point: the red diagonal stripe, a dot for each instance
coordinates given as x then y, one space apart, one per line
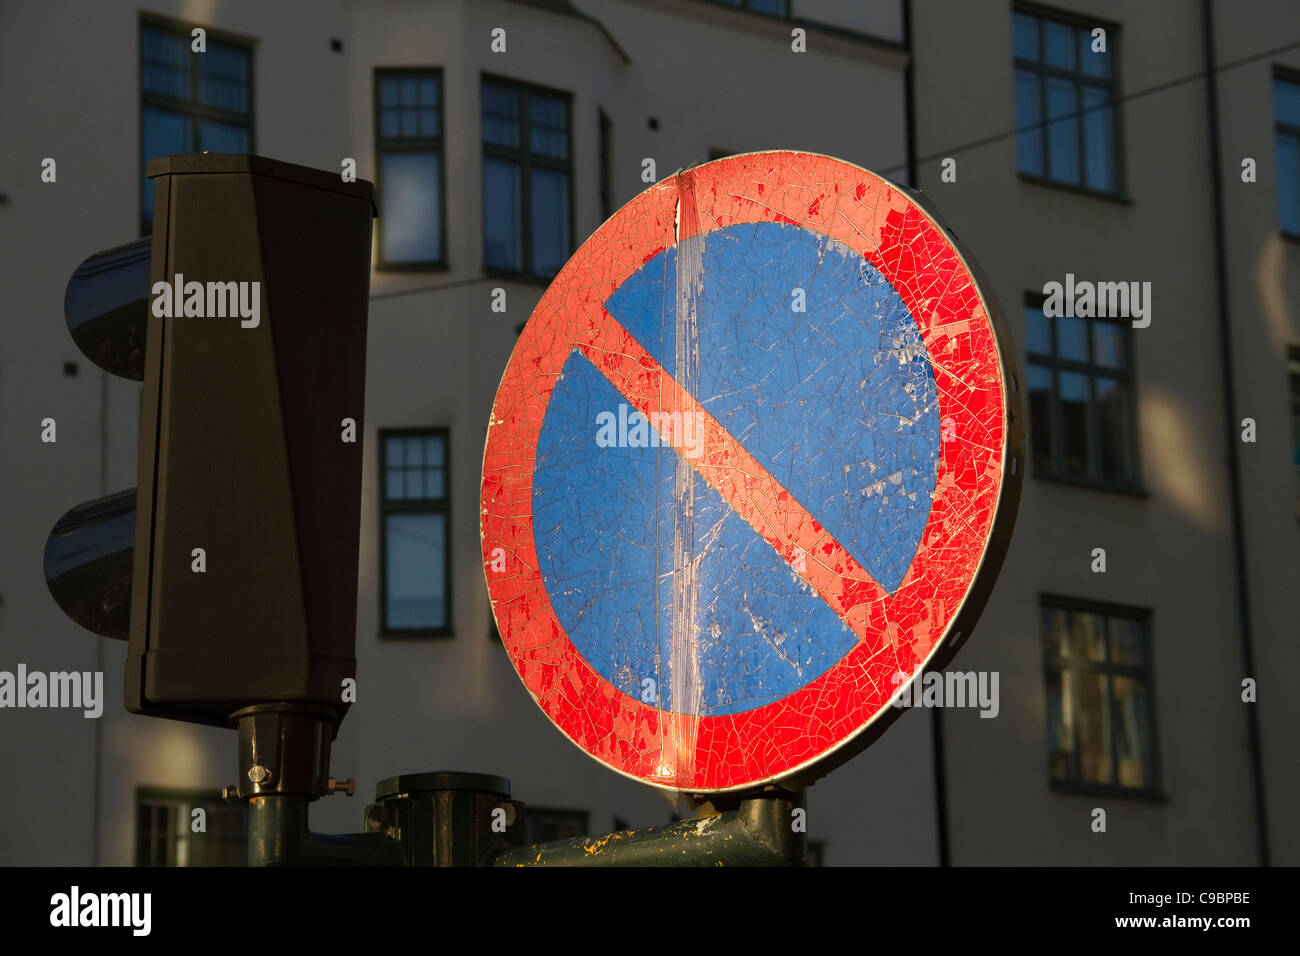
744 484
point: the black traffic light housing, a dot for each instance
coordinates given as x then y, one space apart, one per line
242 447
249 332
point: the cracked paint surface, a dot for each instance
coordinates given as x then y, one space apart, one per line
716 620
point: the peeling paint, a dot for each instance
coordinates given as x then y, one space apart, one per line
707 623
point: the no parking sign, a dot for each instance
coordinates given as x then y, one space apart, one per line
754 458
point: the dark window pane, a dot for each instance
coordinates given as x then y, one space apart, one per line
165 80
394 487
549 142
143 819
1088 432
414 483
501 214
169 69
1131 732
1091 703
550 220
1024 34
775 8
1286 102
1113 425
1060 731
1038 331
500 116
1087 637
1040 416
1058 45
165 829
223 75
411 227
547 110
165 58
416 573
222 137
158 841
1056 633
410 182
499 131
414 453
165 133
1072 337
223 94
1062 131
1098 122
526 190
548 131
163 46
1093 64
1108 346
428 122
1288 182
1029 134
1098 702
393 452
225 61
1075 411
1126 641
499 99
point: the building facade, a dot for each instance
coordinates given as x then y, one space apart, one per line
1092 156
500 134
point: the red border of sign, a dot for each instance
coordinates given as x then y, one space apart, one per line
701 754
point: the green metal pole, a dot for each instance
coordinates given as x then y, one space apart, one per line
278 835
283 766
762 831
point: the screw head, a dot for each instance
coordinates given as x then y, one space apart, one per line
348 786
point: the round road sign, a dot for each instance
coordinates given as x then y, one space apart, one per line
751 468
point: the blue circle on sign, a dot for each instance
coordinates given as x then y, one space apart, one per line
809 358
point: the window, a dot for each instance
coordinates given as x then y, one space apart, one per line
409 165
527 179
415 552
1293 360
1081 421
1067 124
774 8
191 102
1286 114
165 835
541 825
1100 714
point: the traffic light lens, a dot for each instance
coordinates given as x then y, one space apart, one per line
107 308
88 563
